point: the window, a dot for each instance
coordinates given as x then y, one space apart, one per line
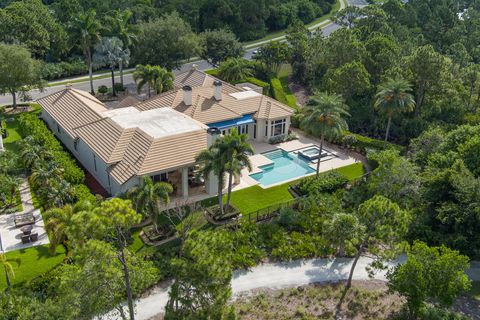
95 162
254 131
75 144
58 128
108 178
266 128
278 127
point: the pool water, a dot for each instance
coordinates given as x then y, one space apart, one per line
285 166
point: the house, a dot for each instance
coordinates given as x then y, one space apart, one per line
159 137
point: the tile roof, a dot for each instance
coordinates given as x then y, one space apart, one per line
149 143
72 108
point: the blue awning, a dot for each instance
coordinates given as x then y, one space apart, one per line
247 119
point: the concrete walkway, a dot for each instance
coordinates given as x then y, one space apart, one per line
10 236
277 276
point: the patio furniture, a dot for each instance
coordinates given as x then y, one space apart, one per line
34 237
24 219
25 239
27 229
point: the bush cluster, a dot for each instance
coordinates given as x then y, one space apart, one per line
282 138
325 183
52 71
30 125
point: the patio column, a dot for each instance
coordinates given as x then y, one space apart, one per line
185 182
269 130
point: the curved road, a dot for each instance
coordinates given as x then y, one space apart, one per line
202 64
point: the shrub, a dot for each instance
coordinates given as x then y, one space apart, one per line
102 89
82 193
363 143
52 71
119 87
296 120
282 138
277 90
30 125
325 183
260 83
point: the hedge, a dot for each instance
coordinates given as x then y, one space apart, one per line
363 143
325 183
64 69
279 94
265 85
30 125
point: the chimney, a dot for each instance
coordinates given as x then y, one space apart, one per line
187 95
217 90
68 86
194 66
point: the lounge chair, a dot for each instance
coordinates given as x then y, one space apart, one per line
25 239
34 237
24 219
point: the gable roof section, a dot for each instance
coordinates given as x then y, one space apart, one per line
106 138
72 108
272 109
148 156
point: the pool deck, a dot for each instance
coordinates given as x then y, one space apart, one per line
337 160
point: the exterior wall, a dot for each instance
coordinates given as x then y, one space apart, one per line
90 160
117 188
62 135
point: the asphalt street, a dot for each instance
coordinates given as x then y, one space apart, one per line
128 79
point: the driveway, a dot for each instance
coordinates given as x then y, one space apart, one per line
276 276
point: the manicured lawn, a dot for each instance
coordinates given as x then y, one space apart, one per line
353 171
11 142
255 198
137 243
475 291
31 263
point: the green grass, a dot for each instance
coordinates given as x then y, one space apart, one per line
54 84
284 75
475 291
31 263
11 142
255 198
137 245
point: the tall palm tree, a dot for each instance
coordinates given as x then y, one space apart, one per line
8 268
110 52
148 197
213 162
235 69
393 97
57 221
87 28
324 115
119 26
236 149
154 77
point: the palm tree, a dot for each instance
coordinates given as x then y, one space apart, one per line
32 153
148 197
110 52
120 27
87 28
236 149
57 221
45 174
393 97
8 268
235 69
155 77
213 162
323 115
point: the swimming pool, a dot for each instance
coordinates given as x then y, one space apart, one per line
286 166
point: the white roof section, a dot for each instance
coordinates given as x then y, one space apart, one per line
157 123
245 94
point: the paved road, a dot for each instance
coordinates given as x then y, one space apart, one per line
202 65
276 276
